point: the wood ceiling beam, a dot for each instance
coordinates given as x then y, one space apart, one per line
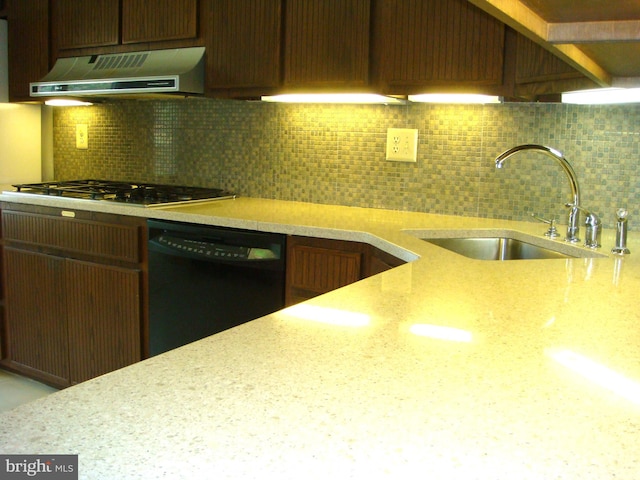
527 22
586 32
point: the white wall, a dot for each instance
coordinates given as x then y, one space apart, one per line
20 143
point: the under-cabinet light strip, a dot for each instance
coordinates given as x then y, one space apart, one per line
454 98
603 96
356 98
373 98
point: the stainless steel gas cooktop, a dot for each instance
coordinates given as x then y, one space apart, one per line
140 194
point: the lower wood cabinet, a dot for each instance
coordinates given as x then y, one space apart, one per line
37 326
74 296
318 265
75 288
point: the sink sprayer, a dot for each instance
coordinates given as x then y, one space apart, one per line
621 233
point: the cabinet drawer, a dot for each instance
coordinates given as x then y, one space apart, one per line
117 242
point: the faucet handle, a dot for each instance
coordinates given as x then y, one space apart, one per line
594 227
591 218
552 232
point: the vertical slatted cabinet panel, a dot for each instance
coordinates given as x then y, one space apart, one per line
535 64
117 242
104 318
158 20
37 323
243 39
537 71
316 266
29 45
327 43
87 292
424 43
78 24
322 270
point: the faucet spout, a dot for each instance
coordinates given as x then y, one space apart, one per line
572 223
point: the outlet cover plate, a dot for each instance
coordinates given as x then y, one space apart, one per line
402 144
82 136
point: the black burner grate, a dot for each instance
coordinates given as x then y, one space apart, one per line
124 192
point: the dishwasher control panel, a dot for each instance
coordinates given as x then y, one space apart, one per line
212 249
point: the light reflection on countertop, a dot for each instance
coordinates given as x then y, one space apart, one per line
445 368
598 373
330 316
441 333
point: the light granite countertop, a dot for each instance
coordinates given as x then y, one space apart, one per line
443 368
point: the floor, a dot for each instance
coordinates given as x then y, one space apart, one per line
16 390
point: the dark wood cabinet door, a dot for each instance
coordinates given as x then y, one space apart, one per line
317 265
537 72
28 23
442 43
75 295
535 64
159 20
103 310
243 41
327 43
76 24
35 315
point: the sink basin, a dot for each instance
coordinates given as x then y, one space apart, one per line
496 248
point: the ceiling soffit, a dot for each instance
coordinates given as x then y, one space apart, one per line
600 38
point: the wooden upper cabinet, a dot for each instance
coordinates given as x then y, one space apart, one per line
243 39
532 73
159 20
100 25
327 43
538 74
436 43
535 64
85 24
28 23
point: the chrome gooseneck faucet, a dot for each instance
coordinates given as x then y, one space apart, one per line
574 208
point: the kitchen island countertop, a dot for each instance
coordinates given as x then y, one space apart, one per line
445 368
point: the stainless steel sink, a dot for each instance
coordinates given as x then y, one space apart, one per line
496 248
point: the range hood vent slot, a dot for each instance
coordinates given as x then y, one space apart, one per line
124 61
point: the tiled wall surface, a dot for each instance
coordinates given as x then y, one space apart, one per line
335 154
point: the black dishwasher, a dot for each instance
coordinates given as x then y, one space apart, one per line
203 280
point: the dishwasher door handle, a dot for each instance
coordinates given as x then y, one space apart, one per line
254 257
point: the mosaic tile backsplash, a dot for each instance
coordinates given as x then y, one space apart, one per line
335 154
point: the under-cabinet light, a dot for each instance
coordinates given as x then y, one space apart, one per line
356 98
453 98
64 102
602 96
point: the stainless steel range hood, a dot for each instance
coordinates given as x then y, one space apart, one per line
178 71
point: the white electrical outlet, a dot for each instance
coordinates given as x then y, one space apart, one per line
402 144
82 136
